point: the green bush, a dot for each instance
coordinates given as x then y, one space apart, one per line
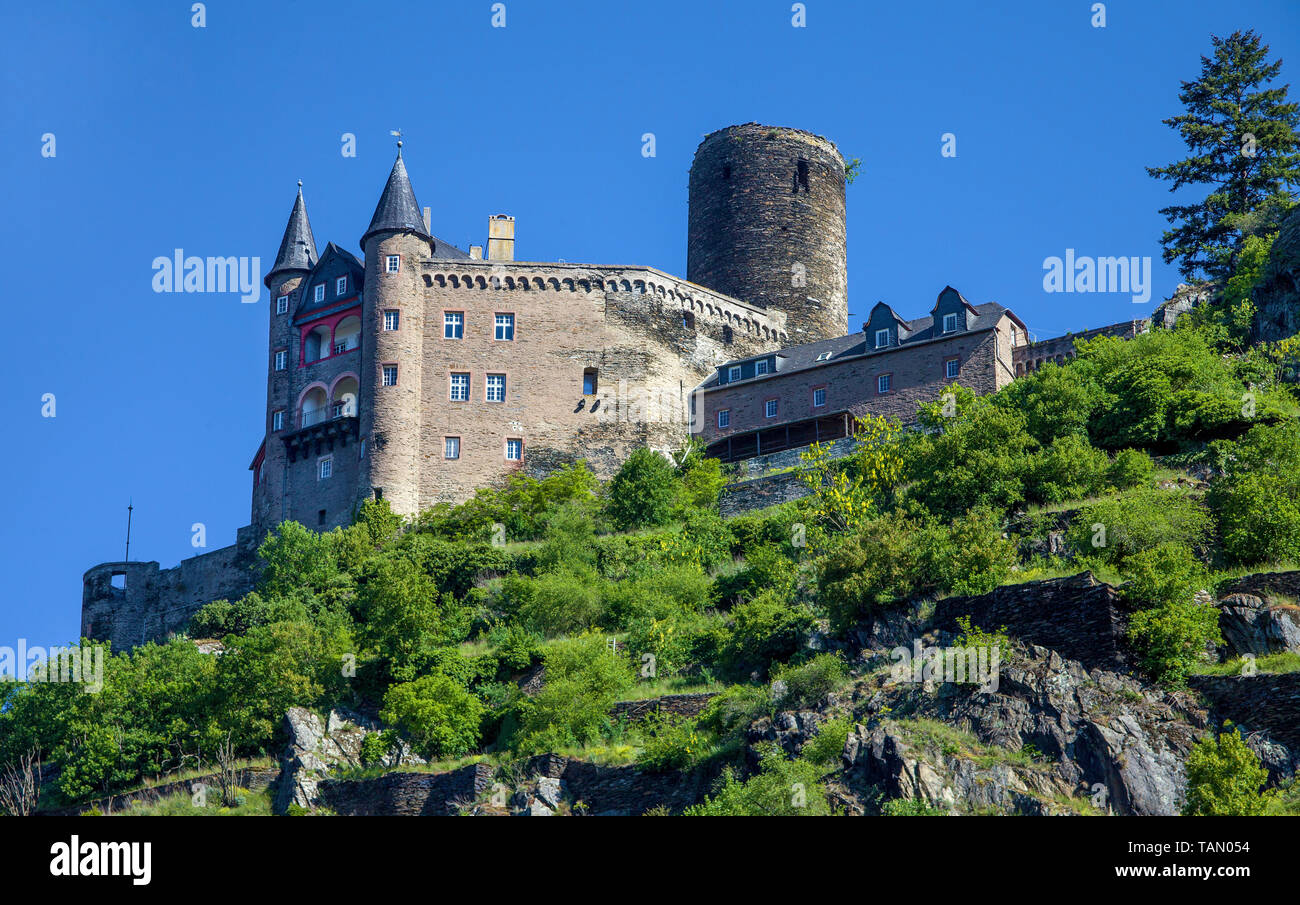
437 713
643 491
584 678
1256 501
1130 468
1172 634
1141 520
1225 778
672 745
808 684
1070 469
761 632
782 788
825 748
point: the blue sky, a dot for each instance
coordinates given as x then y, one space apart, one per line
169 136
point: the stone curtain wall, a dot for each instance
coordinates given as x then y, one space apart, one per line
155 602
1031 357
1268 703
767 204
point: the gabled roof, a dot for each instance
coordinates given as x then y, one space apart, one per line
334 262
298 247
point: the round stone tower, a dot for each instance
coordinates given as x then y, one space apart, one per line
767 226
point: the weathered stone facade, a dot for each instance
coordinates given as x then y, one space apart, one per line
767 224
1032 356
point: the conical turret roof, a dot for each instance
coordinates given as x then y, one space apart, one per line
397 208
298 247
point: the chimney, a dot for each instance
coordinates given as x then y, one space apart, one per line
501 238
476 252
428 221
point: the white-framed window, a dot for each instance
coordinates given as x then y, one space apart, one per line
340 285
390 375
882 338
949 323
733 373
392 263
281 359
505 327
340 347
277 420
819 397
769 408
460 387
496 388
453 325
392 318
514 450
281 304
320 292
724 418
451 448
883 382
324 467
760 367
952 367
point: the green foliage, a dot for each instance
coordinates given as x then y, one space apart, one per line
1130 468
973 636
1141 520
1256 501
1163 576
403 617
784 788
584 678
1053 402
1069 469
825 748
643 491
1225 778
808 684
1173 632
672 744
910 807
437 713
1228 105
522 507
760 632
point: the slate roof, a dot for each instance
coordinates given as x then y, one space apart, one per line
308 307
802 357
398 210
298 247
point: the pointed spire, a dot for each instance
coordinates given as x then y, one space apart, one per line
298 247
397 208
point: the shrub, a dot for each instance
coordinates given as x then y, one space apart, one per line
789 788
1069 469
1142 520
910 807
808 685
1130 468
1224 779
1172 635
672 744
764 630
437 713
827 745
1256 500
642 492
584 678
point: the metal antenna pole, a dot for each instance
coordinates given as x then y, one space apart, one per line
130 505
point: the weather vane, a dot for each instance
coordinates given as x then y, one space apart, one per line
398 133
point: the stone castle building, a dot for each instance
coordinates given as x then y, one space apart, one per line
418 372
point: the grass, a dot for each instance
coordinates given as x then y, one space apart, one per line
1269 664
953 742
181 804
671 685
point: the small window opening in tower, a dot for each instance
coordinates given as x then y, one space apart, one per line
801 176
320 517
589 382
118 580
727 335
726 171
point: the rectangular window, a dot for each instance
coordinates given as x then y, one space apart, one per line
496 388
460 387
819 397
325 467
390 375
392 263
883 383
277 420
760 367
505 327
769 408
952 367
882 338
589 382
724 418
949 323
391 319
514 450
320 292
733 373
281 359
340 285
282 304
451 448
453 325
340 348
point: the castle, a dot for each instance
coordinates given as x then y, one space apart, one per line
421 371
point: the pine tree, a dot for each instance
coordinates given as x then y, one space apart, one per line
1244 146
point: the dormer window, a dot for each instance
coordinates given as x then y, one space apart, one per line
320 292
340 285
949 323
760 367
882 338
733 373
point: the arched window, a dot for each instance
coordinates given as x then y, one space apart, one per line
314 407
344 401
316 345
347 334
